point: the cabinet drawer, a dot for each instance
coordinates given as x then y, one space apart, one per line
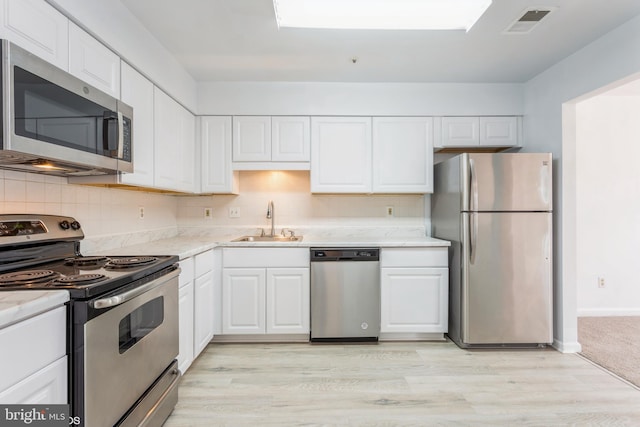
187 273
265 257
413 257
30 345
204 262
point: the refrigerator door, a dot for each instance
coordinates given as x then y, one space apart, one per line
506 182
506 292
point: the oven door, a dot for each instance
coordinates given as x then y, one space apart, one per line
128 346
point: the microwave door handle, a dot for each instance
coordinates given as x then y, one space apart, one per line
120 135
109 126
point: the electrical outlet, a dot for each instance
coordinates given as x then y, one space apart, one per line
141 212
234 212
208 213
601 282
389 210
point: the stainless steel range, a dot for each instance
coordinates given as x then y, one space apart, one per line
123 318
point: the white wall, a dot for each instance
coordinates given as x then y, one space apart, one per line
115 26
309 98
101 211
296 207
613 57
608 205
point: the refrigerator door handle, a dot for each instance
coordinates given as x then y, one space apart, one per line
473 186
473 236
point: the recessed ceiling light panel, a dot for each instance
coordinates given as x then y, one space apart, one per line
380 14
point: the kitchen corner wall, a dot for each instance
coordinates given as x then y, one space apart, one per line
295 206
101 211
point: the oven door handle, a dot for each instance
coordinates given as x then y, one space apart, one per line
118 299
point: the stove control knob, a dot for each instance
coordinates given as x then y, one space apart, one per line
64 225
75 225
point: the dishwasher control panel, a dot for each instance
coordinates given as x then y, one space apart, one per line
344 254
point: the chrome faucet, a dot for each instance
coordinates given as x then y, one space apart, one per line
271 216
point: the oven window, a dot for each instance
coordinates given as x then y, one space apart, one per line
139 323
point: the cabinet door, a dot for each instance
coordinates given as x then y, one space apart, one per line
187 150
290 139
137 91
217 173
498 131
37 27
341 154
460 131
414 300
402 155
203 308
174 154
243 301
288 301
185 319
48 386
251 139
92 62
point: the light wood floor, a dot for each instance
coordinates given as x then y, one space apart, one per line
398 384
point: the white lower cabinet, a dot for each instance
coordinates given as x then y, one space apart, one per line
33 361
287 301
243 304
265 291
203 309
414 290
196 307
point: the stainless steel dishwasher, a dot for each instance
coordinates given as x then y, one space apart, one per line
345 294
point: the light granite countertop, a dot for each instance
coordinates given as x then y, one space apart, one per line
187 245
16 306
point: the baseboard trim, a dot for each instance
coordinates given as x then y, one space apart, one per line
567 347
602 312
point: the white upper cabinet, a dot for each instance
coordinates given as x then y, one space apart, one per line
460 131
174 154
265 142
498 131
290 139
217 175
470 132
39 28
252 139
341 155
137 92
92 62
402 155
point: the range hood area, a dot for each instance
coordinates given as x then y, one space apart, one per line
21 162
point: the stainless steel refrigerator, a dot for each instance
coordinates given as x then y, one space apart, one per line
496 210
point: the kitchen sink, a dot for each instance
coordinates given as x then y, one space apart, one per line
282 239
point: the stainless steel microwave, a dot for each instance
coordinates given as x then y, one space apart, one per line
54 123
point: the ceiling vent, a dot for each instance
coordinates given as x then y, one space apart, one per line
529 19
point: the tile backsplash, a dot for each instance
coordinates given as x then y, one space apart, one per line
296 206
107 212
101 211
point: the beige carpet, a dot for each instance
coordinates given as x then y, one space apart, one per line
613 343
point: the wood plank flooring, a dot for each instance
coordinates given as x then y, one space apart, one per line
398 384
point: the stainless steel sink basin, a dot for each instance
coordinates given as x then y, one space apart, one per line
282 239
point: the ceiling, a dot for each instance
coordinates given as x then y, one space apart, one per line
238 40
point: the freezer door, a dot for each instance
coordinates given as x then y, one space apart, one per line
506 182
507 278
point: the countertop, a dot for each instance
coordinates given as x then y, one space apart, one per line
16 306
187 246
